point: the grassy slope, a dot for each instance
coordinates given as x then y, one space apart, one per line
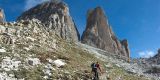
78 60
78 63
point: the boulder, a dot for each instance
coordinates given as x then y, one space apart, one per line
33 61
59 63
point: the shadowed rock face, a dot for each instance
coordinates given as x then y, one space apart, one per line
98 33
2 16
126 47
55 16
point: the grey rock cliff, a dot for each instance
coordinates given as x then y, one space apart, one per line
55 16
2 16
98 33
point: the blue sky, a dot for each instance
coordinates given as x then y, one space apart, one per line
136 20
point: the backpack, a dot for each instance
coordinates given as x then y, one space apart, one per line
93 66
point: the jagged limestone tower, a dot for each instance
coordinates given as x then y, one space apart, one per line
2 16
98 33
54 16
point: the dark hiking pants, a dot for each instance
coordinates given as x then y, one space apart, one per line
96 77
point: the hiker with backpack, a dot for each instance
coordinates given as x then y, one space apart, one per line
95 67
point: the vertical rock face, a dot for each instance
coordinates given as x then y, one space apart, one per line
126 47
55 16
98 33
2 16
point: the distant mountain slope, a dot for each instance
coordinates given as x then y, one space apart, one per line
155 59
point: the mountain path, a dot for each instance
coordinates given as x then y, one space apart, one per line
103 76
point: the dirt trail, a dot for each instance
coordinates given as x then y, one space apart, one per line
104 76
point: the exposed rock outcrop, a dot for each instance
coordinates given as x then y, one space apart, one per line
126 46
98 33
155 59
54 16
2 16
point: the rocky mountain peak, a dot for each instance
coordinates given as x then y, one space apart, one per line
2 16
98 33
96 11
54 16
99 11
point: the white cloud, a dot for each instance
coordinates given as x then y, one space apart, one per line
146 54
31 3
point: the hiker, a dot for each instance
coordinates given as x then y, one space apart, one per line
95 67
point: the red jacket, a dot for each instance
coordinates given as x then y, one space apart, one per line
98 66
